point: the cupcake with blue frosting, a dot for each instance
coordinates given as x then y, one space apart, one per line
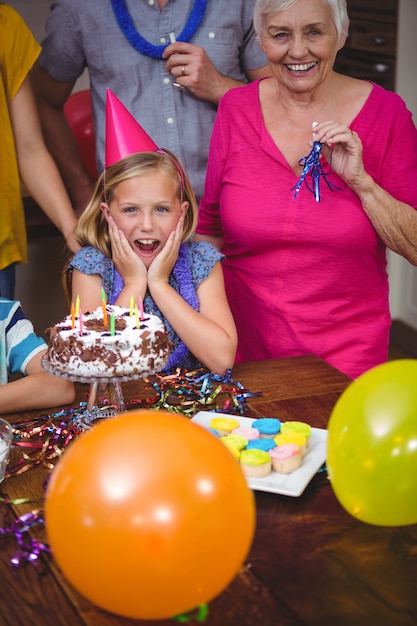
267 426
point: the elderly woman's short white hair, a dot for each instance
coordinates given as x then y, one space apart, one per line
270 7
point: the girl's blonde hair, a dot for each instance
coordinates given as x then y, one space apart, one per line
92 228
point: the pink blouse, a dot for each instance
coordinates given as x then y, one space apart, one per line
304 277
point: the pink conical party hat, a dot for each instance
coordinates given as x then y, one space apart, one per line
124 135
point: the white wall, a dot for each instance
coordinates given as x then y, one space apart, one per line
35 12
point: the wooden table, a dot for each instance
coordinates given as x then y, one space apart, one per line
310 563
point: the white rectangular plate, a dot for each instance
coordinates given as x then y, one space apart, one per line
286 484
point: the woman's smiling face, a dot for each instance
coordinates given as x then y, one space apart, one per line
301 44
147 209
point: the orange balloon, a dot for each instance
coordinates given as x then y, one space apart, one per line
149 515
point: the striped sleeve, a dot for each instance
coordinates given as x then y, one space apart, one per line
22 344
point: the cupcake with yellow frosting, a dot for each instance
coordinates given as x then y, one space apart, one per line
296 439
224 425
235 452
297 427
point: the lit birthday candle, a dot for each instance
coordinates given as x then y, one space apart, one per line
103 305
142 315
72 315
80 318
77 306
137 316
105 321
112 329
132 304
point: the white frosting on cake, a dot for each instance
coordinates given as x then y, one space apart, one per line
94 352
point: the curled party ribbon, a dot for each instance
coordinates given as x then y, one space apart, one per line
8 500
311 165
40 441
200 615
43 440
28 549
189 392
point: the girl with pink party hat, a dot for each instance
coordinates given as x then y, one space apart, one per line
135 243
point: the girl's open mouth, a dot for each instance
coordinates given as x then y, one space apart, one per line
146 246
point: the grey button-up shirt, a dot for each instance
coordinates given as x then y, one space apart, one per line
85 33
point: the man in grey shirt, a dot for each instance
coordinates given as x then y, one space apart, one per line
168 61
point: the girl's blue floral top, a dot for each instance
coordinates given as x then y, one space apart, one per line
202 256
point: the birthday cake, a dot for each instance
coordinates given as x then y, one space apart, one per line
108 343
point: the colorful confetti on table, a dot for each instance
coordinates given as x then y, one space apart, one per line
188 392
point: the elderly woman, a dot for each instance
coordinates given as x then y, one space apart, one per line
306 272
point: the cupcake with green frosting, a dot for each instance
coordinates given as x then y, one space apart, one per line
255 463
234 441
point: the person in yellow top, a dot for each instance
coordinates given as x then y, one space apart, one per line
23 152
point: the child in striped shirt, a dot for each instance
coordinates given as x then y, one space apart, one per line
21 351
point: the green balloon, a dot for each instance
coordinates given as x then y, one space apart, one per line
372 445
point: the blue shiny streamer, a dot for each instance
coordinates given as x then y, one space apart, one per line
311 165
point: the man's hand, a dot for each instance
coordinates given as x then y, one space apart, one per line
193 69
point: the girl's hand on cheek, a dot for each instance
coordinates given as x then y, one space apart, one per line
129 265
163 264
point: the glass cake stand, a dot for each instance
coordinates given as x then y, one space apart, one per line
105 398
